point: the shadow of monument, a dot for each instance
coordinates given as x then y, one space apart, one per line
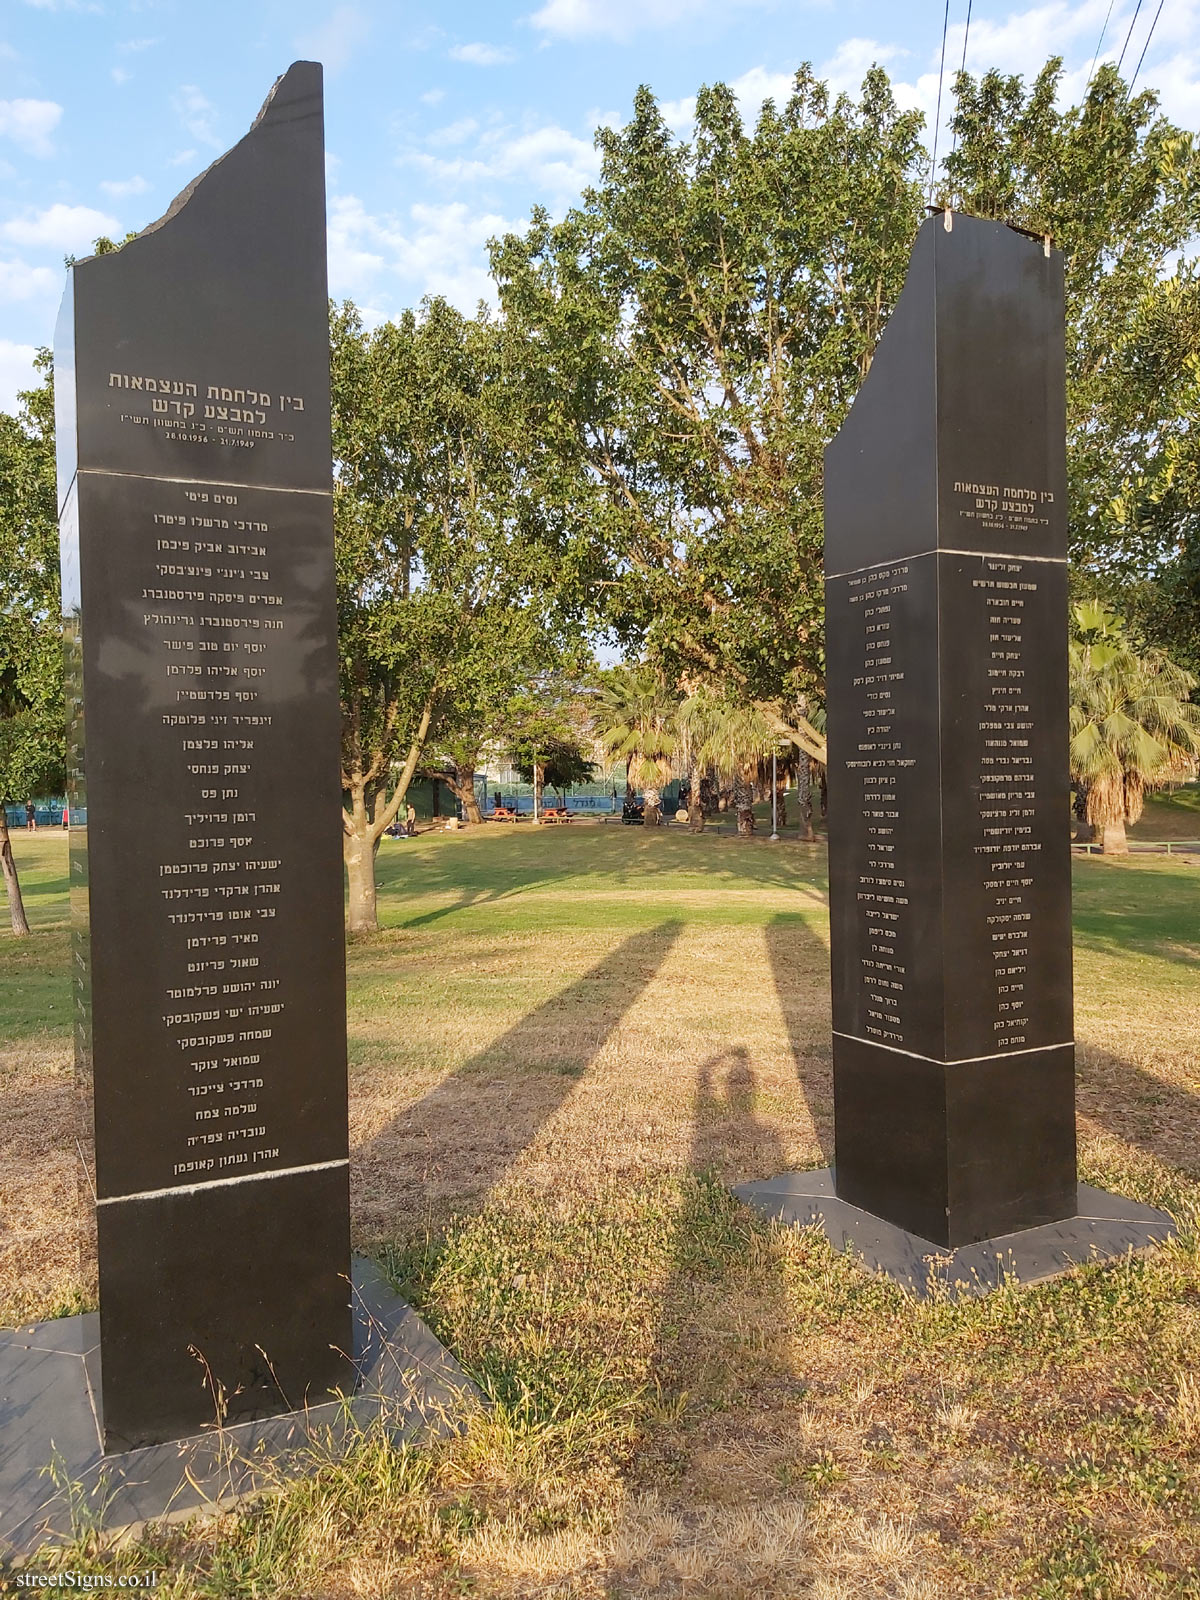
800 967
714 1294
446 1151
1160 1118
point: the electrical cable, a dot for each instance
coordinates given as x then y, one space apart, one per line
937 116
962 67
1099 42
1145 47
1129 35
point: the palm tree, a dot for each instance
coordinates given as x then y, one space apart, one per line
734 738
1132 726
635 718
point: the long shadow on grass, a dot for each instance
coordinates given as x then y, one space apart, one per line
1157 1116
706 1353
448 1150
800 967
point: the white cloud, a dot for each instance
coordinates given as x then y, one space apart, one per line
1021 42
30 123
549 158
134 47
431 97
620 19
335 41
751 89
453 132
181 156
16 372
120 187
483 55
436 249
60 227
121 75
19 281
853 59
196 112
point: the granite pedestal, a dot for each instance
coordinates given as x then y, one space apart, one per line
56 1481
1104 1227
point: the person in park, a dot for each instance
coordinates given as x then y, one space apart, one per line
410 820
30 817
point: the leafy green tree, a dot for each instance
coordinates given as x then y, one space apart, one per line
1132 727
635 718
542 732
1118 187
32 734
455 545
703 320
734 738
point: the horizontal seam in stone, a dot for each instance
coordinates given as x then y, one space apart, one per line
959 1061
220 1183
204 483
984 555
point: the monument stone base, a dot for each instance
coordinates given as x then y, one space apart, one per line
1105 1228
55 1481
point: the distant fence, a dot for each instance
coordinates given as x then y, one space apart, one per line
1148 847
48 814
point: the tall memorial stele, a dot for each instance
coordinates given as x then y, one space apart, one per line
949 855
192 380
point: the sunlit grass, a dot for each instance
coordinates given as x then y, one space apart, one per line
564 1048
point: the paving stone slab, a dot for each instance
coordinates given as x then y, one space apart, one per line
55 1480
1105 1228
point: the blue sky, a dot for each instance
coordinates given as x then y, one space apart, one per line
445 123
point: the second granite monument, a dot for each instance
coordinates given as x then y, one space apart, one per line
946 596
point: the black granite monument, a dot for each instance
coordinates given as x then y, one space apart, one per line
949 853
192 375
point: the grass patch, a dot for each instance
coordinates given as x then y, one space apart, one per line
564 1047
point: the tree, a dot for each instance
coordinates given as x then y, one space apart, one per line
704 318
32 736
1132 728
634 715
1118 187
455 547
542 731
736 739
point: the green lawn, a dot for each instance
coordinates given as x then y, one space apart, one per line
564 1045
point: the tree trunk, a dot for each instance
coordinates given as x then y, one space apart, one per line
695 802
824 793
781 803
652 814
462 784
1112 838
804 796
359 852
539 782
16 906
743 799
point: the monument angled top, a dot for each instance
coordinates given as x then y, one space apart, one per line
206 332
958 465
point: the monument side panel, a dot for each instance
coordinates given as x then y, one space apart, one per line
202 632
947 699
1003 646
885 893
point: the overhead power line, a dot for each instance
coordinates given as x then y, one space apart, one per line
962 66
1146 46
937 116
1129 35
1099 43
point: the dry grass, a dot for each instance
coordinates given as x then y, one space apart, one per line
562 1050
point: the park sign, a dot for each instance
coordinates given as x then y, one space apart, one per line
946 595
192 380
